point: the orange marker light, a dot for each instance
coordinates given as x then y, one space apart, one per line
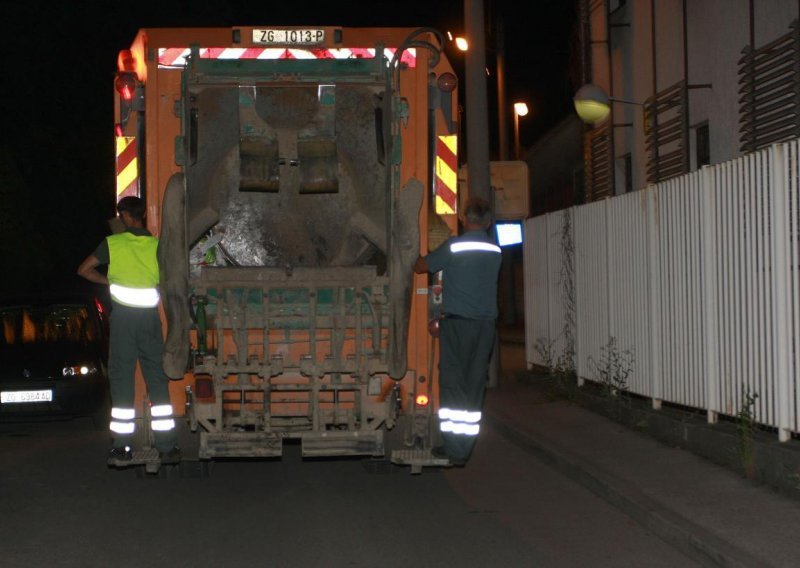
422 400
447 82
126 62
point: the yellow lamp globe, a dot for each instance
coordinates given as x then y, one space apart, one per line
591 104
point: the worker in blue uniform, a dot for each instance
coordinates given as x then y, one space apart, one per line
470 264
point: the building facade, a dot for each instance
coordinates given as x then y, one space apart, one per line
691 82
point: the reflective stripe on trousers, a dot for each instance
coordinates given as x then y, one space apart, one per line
122 420
464 422
162 418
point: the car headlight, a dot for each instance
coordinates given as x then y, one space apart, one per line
79 370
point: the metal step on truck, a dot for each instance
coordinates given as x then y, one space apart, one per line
293 175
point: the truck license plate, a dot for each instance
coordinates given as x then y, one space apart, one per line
288 37
14 397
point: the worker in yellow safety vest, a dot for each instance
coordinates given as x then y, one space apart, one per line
133 276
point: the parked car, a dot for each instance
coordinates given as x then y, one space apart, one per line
53 359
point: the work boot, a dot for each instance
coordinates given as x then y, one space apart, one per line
440 453
120 454
171 457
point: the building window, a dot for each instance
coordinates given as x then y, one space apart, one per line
623 174
702 146
628 165
615 5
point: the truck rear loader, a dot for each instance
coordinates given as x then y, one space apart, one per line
293 176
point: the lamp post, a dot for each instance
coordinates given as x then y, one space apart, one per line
502 108
476 111
520 109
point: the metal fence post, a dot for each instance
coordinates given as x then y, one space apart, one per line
710 330
780 287
576 356
549 282
609 268
654 293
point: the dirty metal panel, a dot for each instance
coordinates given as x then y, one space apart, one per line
240 445
417 458
341 443
288 176
306 277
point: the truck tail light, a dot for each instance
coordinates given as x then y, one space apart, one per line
101 311
422 400
125 84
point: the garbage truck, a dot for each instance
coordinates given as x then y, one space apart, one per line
293 175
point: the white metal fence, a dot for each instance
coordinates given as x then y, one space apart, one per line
692 286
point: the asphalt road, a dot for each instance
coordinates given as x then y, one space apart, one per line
61 506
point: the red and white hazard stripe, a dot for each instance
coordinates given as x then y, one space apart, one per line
127 167
176 56
446 175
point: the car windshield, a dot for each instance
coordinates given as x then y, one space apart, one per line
46 325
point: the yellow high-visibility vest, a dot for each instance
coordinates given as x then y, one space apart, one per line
133 269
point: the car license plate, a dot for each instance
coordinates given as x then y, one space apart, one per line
288 37
13 397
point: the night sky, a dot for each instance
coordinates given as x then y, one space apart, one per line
59 59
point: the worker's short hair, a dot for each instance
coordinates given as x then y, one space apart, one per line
133 205
478 211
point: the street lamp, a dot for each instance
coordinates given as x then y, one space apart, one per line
520 109
460 42
592 103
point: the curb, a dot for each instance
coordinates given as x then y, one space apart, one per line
692 539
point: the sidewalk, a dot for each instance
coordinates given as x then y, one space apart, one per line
707 511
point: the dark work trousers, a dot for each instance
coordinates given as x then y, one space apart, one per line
136 335
466 346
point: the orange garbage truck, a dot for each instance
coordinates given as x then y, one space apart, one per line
293 175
